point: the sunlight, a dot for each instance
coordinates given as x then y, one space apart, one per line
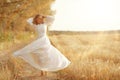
86 15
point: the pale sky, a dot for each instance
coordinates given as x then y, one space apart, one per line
86 15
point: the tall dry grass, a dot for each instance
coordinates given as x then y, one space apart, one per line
93 56
14 13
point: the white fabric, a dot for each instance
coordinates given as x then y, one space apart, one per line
40 53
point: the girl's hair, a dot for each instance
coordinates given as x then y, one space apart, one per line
38 15
34 19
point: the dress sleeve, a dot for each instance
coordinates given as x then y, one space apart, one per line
49 20
30 20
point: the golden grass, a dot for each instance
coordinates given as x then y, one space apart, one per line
93 56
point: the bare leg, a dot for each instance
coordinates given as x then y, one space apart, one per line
43 73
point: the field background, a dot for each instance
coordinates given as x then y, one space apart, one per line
93 55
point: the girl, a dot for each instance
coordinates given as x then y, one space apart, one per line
41 54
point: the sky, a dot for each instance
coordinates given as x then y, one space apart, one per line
86 15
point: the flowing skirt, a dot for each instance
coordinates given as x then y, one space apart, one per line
42 55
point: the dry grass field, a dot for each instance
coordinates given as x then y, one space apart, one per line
93 56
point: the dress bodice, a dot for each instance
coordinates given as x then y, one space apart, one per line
41 29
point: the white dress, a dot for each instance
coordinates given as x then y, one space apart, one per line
40 53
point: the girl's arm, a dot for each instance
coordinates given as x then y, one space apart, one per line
30 21
49 20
